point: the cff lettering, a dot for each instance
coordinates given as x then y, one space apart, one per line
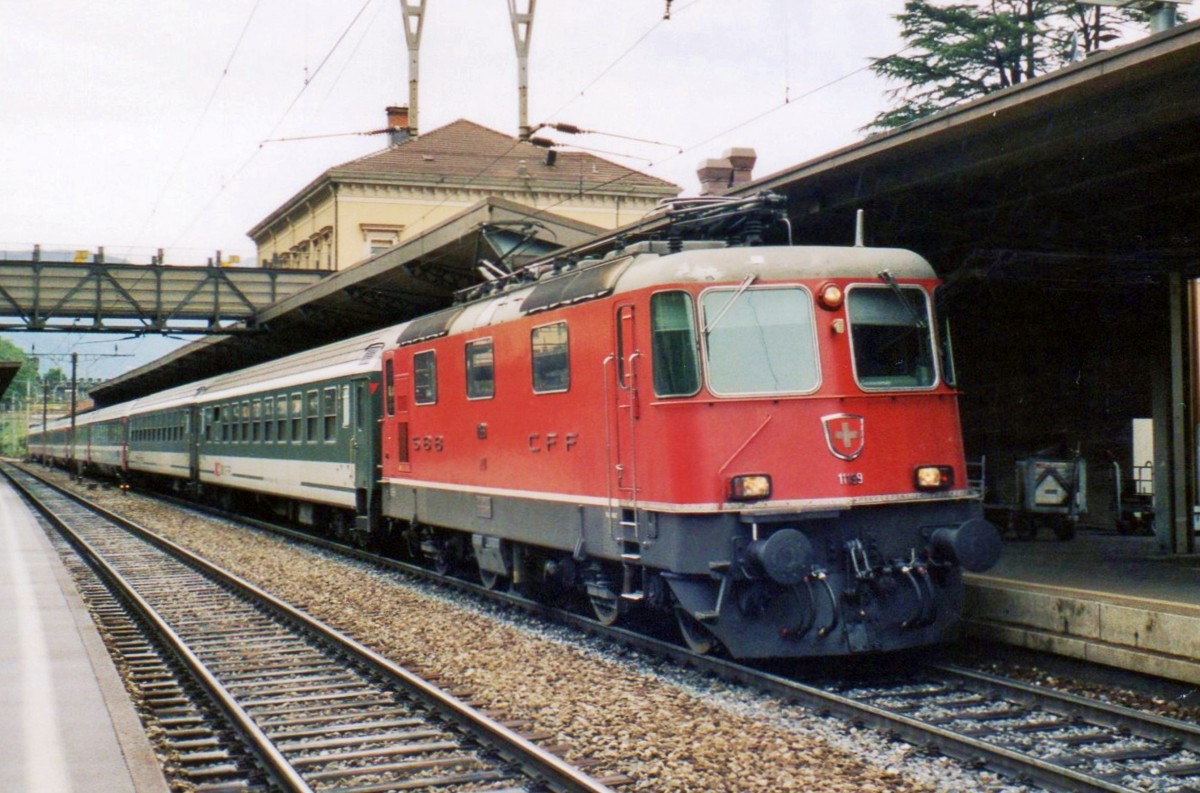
552 441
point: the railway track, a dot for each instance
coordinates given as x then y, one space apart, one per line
1030 734
315 710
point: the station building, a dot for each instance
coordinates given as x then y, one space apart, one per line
364 207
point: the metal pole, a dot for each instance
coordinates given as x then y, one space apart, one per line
74 366
414 23
1162 17
45 434
522 28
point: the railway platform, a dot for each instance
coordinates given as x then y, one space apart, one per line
69 725
1102 597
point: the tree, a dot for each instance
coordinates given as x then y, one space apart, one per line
26 380
960 51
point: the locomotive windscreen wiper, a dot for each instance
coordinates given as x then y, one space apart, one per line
729 303
887 277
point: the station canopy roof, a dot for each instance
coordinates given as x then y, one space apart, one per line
1094 168
1090 174
418 276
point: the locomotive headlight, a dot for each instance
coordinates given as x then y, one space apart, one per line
753 487
934 477
831 296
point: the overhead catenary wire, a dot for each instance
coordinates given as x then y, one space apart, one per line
309 78
197 125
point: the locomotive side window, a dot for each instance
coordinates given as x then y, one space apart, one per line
481 370
389 386
551 359
425 378
945 348
673 343
891 337
760 341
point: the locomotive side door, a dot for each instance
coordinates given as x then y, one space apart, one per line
622 378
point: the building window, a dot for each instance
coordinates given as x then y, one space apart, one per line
551 359
379 238
481 370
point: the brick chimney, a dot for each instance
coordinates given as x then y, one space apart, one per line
398 129
714 176
742 159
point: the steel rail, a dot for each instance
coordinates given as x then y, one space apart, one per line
535 759
1011 763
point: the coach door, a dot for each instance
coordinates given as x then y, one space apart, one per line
192 430
621 374
363 425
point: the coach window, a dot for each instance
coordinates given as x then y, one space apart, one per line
297 418
891 337
281 419
425 378
246 421
329 412
389 386
268 419
207 421
256 427
312 412
760 341
549 351
481 370
673 345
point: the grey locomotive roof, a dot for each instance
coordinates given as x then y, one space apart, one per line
717 265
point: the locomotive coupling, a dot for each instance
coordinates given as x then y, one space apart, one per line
975 545
785 556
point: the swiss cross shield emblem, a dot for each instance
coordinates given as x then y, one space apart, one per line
844 434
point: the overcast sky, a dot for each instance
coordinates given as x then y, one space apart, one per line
136 125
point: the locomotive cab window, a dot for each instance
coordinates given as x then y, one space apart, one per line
425 378
891 337
760 341
673 344
481 370
550 354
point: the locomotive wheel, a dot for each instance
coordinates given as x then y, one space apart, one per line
697 637
491 580
607 608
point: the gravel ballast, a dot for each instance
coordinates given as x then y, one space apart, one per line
665 728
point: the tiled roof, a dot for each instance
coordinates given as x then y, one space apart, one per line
465 153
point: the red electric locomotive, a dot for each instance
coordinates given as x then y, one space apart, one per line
762 442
